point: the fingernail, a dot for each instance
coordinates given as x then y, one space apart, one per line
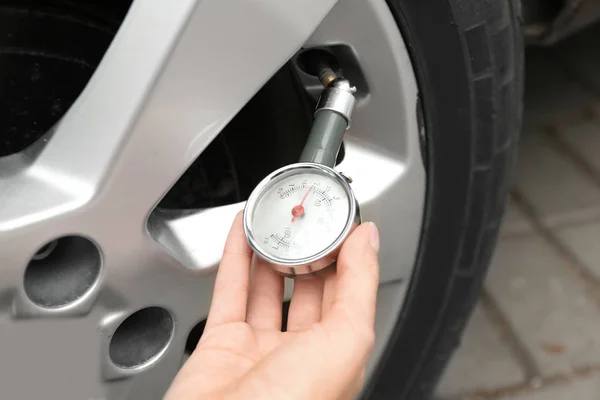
374 236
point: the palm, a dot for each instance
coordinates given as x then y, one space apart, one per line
228 352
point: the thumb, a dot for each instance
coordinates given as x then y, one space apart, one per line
358 276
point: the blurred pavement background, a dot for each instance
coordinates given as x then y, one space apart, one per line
535 334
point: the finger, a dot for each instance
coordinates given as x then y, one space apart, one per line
329 283
231 285
265 301
358 277
305 307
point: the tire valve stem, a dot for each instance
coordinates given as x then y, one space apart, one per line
326 75
333 116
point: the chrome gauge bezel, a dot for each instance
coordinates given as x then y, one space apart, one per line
312 264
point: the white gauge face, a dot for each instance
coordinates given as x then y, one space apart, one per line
300 214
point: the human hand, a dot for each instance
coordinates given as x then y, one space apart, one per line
330 331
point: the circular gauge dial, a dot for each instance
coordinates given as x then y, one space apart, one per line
299 214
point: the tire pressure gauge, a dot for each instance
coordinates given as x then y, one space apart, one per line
297 218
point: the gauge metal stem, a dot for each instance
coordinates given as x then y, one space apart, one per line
332 118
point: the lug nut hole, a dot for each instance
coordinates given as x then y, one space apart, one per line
62 271
141 338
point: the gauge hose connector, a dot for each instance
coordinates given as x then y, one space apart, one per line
333 116
338 97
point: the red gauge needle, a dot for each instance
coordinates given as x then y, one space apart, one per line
298 210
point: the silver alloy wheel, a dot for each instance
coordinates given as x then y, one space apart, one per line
107 313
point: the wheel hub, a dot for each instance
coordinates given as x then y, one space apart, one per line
107 312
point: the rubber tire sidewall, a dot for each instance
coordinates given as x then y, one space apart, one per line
468 60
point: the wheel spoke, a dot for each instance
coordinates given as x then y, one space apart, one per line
378 175
174 76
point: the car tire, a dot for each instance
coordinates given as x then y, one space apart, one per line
468 60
